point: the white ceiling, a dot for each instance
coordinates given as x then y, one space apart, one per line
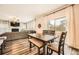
25 12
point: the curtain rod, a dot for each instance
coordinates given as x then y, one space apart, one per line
56 10
59 9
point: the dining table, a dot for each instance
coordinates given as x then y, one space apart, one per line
46 39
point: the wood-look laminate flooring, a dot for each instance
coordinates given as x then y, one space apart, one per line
19 47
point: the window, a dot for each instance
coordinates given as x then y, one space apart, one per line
51 25
58 24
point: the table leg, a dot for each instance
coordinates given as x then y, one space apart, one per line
1 49
38 51
30 46
44 50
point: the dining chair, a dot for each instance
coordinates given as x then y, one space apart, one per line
39 44
49 32
59 49
52 33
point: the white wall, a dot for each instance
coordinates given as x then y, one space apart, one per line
31 25
22 26
4 26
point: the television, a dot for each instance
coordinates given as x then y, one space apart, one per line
15 24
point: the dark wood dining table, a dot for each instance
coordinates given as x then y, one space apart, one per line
44 38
